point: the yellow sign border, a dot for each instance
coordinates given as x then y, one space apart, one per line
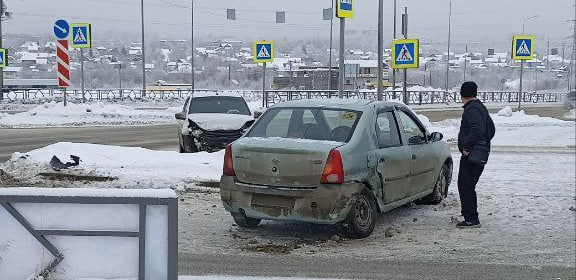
88 36
515 47
343 13
255 52
416 63
4 58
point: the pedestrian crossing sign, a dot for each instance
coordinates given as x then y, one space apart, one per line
80 35
263 51
523 47
345 8
405 53
3 58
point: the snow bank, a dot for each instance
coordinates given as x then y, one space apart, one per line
518 129
133 167
505 112
571 115
55 114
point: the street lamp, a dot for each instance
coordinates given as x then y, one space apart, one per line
525 20
522 63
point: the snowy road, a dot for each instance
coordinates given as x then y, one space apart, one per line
156 137
528 233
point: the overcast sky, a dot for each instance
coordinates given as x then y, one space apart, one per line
473 21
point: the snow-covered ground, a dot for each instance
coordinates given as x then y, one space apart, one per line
517 129
128 167
54 114
526 201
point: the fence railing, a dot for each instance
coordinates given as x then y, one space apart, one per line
418 97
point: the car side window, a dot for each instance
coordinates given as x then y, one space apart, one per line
414 134
387 130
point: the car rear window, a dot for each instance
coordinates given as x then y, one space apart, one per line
307 123
219 104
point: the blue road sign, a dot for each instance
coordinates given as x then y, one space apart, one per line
3 57
405 53
61 29
263 51
523 47
81 35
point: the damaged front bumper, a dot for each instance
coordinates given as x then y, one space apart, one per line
323 204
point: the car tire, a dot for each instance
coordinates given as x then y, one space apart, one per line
440 189
245 222
362 217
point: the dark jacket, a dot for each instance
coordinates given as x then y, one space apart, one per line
476 125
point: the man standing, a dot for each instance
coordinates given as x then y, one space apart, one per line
476 129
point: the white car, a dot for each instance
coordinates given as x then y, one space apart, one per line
209 121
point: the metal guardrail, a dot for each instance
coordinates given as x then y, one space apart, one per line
143 203
418 97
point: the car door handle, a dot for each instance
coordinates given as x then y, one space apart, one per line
414 157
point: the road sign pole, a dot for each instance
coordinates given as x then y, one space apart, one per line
65 102
380 46
1 69
405 32
520 91
82 74
341 65
264 97
330 52
394 70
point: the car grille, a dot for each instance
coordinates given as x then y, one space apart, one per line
222 134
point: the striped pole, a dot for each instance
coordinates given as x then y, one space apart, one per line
63 59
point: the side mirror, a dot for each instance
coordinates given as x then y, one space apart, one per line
436 136
180 116
257 114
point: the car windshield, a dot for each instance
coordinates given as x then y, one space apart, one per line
307 123
219 104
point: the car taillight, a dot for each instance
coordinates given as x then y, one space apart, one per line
228 164
333 170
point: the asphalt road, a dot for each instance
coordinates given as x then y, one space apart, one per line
157 137
290 266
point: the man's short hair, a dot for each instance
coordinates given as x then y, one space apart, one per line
469 89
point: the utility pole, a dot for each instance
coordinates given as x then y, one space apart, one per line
143 52
1 39
573 60
448 56
405 33
330 52
193 53
394 70
548 55
465 61
380 46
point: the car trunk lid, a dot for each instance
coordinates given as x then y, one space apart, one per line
281 162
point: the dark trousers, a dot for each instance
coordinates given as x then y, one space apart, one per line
468 177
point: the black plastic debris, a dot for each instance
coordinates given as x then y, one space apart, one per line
57 164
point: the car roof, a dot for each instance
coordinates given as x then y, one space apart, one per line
349 104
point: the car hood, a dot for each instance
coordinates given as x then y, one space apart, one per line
220 121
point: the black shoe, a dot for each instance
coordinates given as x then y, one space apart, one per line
468 224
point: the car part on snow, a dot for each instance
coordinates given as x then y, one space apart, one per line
57 164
